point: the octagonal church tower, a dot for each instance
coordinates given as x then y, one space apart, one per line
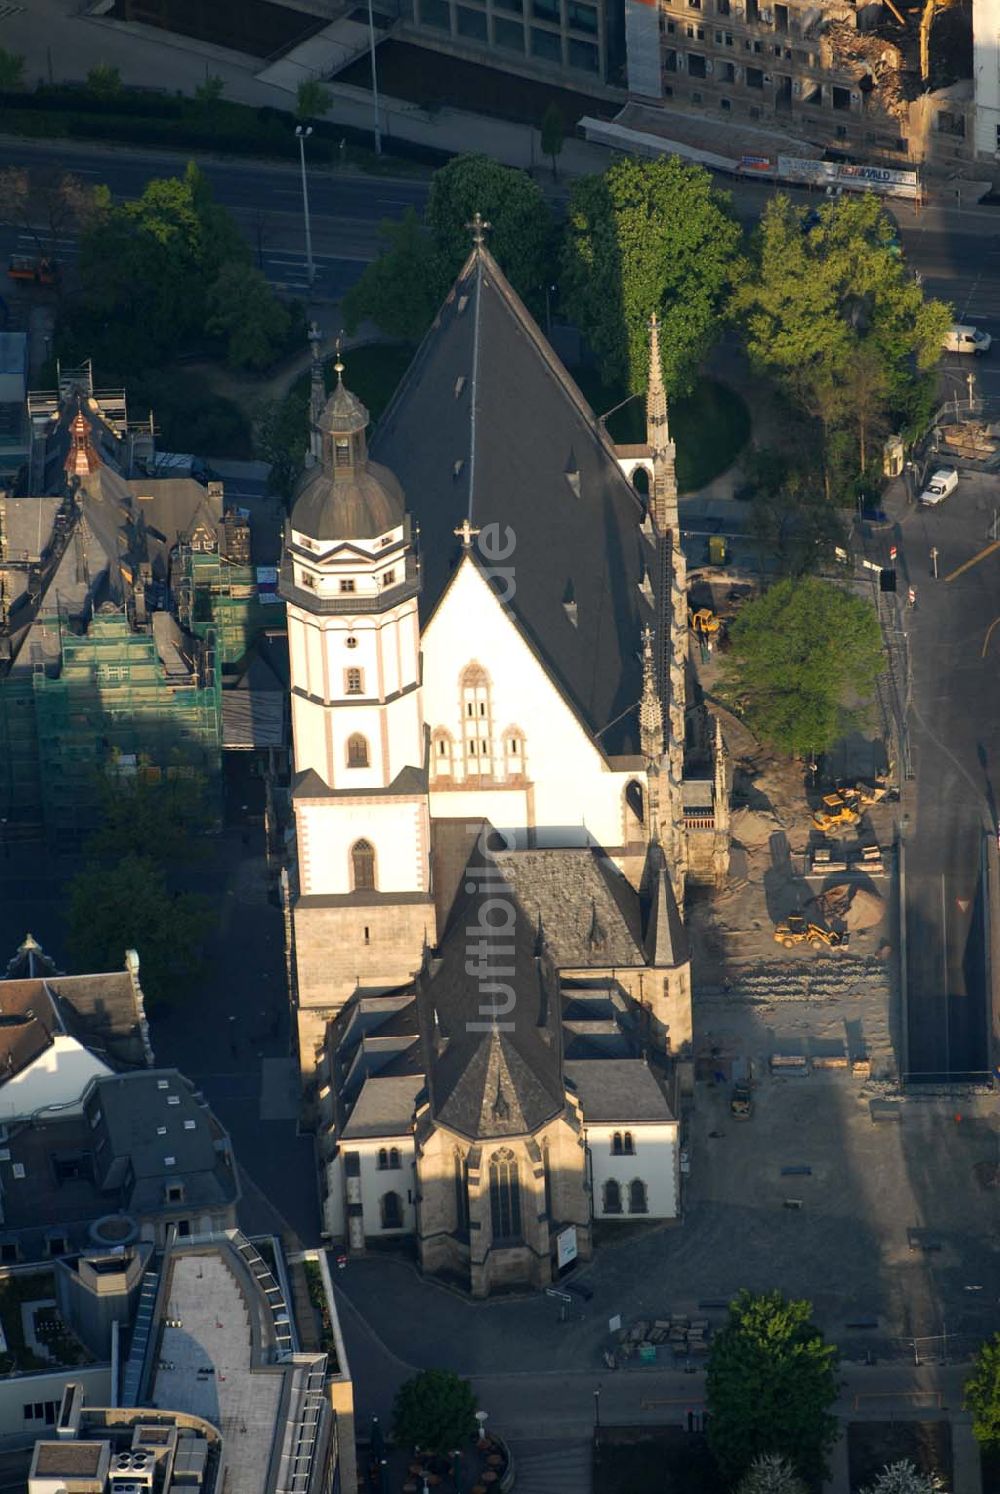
363 906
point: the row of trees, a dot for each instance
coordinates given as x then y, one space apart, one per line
824 302
161 275
771 1387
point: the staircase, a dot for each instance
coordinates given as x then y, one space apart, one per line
553 1467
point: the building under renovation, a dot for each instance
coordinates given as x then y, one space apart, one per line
111 584
888 82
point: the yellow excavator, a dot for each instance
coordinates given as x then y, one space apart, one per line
796 929
704 621
835 812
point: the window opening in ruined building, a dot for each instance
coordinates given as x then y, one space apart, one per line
841 97
725 105
755 78
363 866
696 65
505 1196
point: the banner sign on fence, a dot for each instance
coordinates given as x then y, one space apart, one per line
756 163
852 178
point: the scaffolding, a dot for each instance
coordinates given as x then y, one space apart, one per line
113 709
225 598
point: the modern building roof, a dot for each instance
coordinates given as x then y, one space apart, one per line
136 1136
618 1089
488 425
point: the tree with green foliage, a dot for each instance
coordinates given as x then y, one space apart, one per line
832 312
649 236
802 663
243 308
792 521
553 134
165 820
145 267
904 1478
520 234
399 291
104 81
210 92
312 100
982 1395
770 1386
771 1474
11 71
281 438
127 905
434 1411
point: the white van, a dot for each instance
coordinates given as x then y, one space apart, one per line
959 339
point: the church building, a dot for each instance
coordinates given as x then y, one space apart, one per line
500 793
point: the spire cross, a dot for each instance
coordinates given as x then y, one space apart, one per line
466 533
478 227
339 361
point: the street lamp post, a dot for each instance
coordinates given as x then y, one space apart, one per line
376 129
303 132
597 1415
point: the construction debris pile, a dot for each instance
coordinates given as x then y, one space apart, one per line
874 63
975 440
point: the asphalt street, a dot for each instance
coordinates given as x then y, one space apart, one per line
952 802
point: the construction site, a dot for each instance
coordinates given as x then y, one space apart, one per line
887 83
125 600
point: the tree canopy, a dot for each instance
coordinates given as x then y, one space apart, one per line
156 270
904 1478
127 905
649 236
161 819
802 663
770 1386
553 134
520 236
399 291
831 311
11 71
982 1394
244 310
771 1474
435 1411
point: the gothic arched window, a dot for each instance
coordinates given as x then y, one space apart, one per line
616 1143
383 1159
513 752
363 866
441 752
392 1211
627 1144
635 812
477 729
357 751
612 1197
505 1196
394 1157
637 1197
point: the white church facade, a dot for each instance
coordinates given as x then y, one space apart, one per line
488 647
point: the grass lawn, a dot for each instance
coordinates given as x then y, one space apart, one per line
711 425
873 1444
634 1460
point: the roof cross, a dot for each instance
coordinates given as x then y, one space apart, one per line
479 227
466 533
339 361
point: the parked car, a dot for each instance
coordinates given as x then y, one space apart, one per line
943 482
964 339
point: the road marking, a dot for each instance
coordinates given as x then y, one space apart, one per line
983 554
986 640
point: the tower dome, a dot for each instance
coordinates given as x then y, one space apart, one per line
346 495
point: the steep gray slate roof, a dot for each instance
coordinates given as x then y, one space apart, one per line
589 914
618 1089
488 424
488 1082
